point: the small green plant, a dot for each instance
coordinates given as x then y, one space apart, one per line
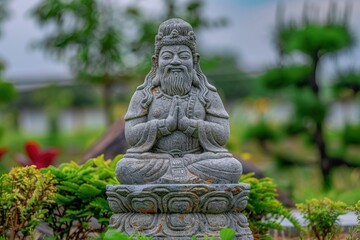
206 237
322 217
80 197
113 234
227 234
263 209
25 197
355 231
357 213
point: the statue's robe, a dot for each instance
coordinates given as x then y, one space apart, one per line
196 156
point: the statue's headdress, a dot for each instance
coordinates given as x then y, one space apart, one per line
175 31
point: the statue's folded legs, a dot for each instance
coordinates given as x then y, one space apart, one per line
191 168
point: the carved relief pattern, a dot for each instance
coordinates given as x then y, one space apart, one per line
179 210
178 198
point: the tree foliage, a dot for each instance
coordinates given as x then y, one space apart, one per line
87 34
294 75
7 92
230 80
4 12
300 83
106 42
7 89
314 38
347 84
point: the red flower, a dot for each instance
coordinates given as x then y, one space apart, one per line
3 150
38 158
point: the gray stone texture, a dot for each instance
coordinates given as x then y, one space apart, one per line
179 210
178 198
177 179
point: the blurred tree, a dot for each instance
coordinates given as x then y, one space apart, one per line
314 40
346 88
80 95
7 89
106 42
86 34
4 12
230 80
56 100
145 26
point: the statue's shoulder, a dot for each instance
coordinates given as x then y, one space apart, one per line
215 107
136 107
137 96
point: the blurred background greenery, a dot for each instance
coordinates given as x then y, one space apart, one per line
296 119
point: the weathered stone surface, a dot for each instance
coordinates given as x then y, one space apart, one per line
178 198
177 179
176 124
181 225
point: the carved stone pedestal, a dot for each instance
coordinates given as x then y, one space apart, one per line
179 211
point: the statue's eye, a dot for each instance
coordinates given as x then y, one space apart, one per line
185 56
166 56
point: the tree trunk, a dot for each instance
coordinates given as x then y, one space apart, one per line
107 98
53 127
324 160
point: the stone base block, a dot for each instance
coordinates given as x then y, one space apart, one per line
181 226
179 211
178 198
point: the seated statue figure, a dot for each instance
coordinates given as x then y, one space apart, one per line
176 124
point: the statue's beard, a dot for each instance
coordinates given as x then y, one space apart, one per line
175 82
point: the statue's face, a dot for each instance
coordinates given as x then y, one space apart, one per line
175 57
175 69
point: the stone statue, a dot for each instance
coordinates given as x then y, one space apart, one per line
177 180
176 123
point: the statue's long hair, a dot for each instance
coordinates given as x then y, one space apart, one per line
199 80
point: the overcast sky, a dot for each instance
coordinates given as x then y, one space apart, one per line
248 35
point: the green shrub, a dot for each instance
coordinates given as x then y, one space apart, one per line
25 198
113 234
81 197
264 210
322 217
351 134
261 131
7 91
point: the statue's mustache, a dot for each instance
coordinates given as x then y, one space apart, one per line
170 68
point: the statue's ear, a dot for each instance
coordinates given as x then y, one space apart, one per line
197 58
153 61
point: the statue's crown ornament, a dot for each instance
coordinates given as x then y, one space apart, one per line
175 31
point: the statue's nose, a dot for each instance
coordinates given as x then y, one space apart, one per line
176 61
